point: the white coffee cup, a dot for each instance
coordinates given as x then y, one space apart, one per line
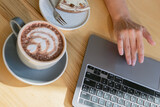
18 27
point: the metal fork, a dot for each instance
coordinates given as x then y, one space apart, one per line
56 15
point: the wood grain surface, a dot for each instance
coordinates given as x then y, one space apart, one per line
14 93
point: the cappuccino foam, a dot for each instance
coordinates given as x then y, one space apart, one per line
42 41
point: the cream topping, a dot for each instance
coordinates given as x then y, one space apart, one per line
76 2
65 7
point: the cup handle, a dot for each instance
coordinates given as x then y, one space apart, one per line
16 25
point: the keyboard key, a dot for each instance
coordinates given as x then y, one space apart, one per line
140 101
114 99
120 93
116 105
137 93
99 93
118 79
127 96
93 76
157 94
92 91
127 104
144 96
147 104
111 76
104 81
110 83
90 67
85 88
81 101
109 104
134 105
99 86
151 98
107 96
104 72
91 104
97 71
106 88
121 101
95 99
101 101
133 99
89 82
117 86
113 91
153 105
130 91
85 95
124 88
157 100
88 74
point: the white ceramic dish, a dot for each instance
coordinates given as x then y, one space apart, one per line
74 20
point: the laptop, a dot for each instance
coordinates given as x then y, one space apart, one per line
106 80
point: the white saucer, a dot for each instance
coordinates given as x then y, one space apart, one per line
74 20
26 74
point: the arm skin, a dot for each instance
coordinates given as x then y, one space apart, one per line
129 34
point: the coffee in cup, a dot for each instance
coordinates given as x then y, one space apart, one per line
40 45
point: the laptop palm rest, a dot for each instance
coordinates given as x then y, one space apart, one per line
104 54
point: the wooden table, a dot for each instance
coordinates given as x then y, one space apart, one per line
60 93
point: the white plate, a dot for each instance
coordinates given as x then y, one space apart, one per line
74 20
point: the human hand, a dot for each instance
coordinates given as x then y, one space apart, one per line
130 39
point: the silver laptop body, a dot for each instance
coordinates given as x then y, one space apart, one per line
106 80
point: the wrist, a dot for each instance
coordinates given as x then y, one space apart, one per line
122 17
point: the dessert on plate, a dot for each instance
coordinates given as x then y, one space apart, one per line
73 6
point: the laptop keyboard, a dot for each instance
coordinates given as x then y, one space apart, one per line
103 89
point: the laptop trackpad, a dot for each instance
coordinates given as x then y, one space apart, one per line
147 74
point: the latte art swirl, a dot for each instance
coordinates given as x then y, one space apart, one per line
42 43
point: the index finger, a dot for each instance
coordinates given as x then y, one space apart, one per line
120 44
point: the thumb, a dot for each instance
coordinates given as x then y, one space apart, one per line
148 37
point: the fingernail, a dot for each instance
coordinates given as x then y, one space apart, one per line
121 53
154 43
141 61
129 62
133 63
